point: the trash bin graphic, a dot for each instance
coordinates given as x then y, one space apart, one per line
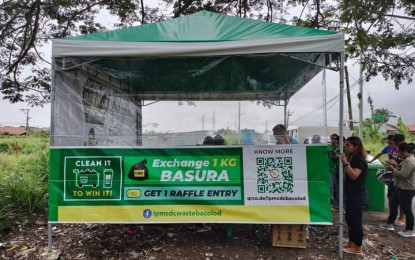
85 178
108 177
139 171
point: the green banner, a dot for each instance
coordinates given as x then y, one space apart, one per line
258 184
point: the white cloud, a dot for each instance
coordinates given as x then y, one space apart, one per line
306 107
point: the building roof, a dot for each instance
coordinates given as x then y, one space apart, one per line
394 128
411 128
13 130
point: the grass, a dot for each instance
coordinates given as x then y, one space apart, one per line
24 167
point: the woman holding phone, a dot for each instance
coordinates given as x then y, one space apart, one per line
355 171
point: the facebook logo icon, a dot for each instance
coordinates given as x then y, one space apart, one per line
147 213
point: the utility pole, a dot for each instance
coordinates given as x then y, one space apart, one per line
286 100
360 96
285 113
213 122
289 113
239 117
349 100
203 122
26 111
239 121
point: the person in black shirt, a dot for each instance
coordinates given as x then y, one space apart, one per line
355 172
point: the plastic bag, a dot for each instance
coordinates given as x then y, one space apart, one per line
384 175
139 171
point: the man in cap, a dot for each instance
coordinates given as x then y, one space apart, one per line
316 139
281 136
386 150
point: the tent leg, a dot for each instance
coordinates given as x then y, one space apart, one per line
341 218
49 237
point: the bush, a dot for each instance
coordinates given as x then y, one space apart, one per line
3 217
23 178
23 193
5 148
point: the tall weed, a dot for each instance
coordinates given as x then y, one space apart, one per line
23 193
5 147
23 178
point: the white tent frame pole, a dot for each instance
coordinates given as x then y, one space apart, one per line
52 139
341 208
324 85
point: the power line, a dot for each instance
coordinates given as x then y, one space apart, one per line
318 108
335 99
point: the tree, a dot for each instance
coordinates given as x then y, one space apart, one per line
371 130
27 25
372 126
405 130
382 115
381 39
381 34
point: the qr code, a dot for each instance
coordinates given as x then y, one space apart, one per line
275 175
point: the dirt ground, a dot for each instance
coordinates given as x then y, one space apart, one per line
168 241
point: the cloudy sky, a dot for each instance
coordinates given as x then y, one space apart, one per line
306 107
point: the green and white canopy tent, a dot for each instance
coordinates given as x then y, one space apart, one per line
100 80
204 56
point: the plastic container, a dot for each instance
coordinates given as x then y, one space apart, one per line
248 136
375 188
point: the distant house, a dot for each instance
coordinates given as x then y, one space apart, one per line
391 129
13 130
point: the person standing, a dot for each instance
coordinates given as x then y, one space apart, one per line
404 174
334 152
355 172
208 140
316 139
386 150
280 133
392 195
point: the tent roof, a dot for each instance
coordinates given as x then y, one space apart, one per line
203 56
201 34
203 26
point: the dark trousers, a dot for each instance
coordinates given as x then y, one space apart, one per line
405 202
391 189
354 217
332 180
393 196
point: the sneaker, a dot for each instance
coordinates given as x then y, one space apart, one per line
356 250
407 233
387 227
